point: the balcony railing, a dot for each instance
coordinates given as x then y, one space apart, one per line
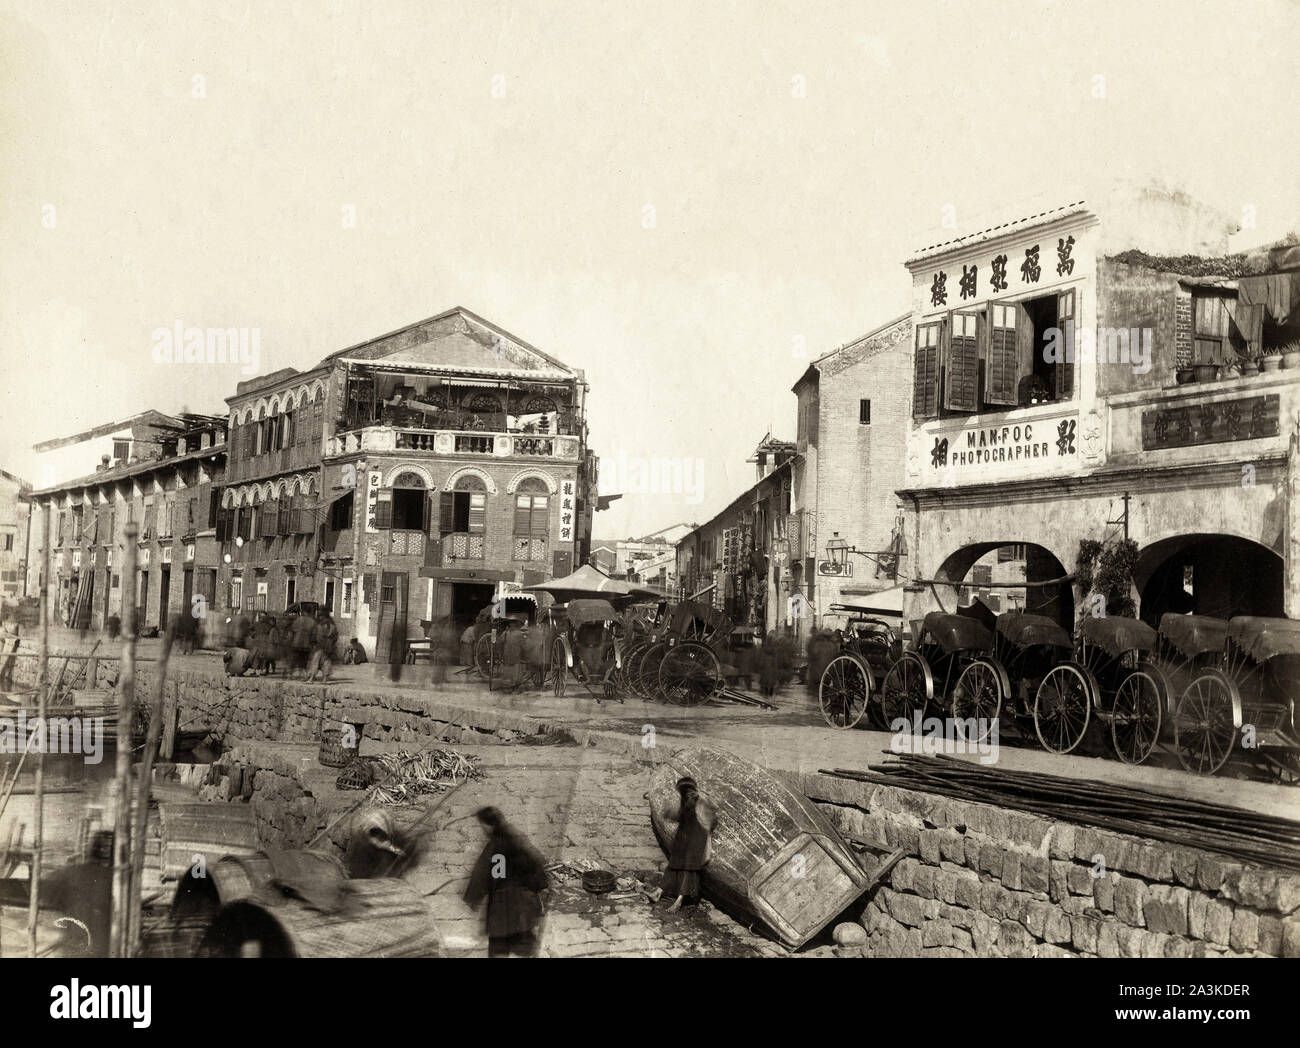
452 442
462 546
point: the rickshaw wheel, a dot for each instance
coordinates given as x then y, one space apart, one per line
648 671
1204 726
844 691
689 674
559 667
1137 715
627 672
907 687
1062 707
483 656
977 696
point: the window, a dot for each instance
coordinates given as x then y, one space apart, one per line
345 608
9 543
341 510
409 503
1064 385
532 508
1210 327
1011 553
962 372
121 450
925 392
290 591
236 593
864 412
1002 370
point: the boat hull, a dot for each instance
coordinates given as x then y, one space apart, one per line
775 857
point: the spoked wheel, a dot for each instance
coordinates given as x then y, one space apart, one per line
1205 727
483 656
977 700
844 691
690 674
1138 714
610 685
1062 706
559 667
648 671
907 687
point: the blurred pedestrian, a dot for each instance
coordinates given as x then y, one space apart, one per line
356 654
467 639
511 875
300 632
692 844
323 639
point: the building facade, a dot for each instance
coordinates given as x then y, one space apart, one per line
15 517
852 442
1092 373
408 479
166 484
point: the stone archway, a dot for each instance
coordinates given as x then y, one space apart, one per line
1209 573
1000 580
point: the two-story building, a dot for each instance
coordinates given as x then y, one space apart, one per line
408 478
1094 372
165 481
15 516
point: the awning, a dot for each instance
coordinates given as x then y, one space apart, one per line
486 383
1279 293
484 576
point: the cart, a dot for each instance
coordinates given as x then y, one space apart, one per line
870 646
1253 686
586 644
1134 694
949 650
691 669
1190 648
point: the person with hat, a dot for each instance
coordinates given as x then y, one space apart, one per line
511 875
692 844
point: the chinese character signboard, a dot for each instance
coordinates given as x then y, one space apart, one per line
1013 273
373 483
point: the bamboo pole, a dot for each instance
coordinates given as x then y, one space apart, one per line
42 686
126 696
142 796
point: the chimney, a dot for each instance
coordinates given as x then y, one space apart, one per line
103 464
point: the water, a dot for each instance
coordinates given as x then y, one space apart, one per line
94 792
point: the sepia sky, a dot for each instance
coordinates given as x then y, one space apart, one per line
651 200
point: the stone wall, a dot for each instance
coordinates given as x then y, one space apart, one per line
988 881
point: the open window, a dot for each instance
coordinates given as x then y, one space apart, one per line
409 502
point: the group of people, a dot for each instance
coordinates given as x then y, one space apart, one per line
292 645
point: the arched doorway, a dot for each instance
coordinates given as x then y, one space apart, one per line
1209 574
1004 575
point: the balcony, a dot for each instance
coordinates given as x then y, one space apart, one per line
462 546
453 442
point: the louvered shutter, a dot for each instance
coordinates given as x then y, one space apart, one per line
368 587
541 523
1002 375
477 513
428 513
221 525
925 391
384 513
304 519
1065 366
961 391
446 512
523 514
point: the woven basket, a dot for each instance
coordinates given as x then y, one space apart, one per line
332 753
358 775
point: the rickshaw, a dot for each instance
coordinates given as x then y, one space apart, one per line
870 646
644 625
1133 690
1188 648
1032 669
950 650
1255 683
689 620
690 667
489 656
587 645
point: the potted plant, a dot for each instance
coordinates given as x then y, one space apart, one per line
1183 374
1249 366
1272 359
1291 354
1205 372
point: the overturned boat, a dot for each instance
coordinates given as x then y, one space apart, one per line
775 856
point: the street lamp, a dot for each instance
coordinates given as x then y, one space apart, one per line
837 550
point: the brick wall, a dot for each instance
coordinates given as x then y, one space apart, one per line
989 881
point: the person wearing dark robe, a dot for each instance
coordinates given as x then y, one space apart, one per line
692 844
356 654
511 875
300 632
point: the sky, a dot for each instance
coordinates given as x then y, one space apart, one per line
688 200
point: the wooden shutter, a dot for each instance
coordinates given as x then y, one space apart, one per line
304 522
523 513
384 513
961 388
925 389
477 513
1065 315
1002 374
541 522
369 586
446 512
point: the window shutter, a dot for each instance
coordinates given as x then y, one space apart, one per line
304 522
384 513
523 511
541 524
221 525
477 513
446 512
962 387
428 514
1002 375
1064 366
925 389
369 586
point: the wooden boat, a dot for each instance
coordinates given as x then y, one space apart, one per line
213 830
775 856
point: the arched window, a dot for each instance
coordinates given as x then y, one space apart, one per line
484 404
539 404
410 506
408 480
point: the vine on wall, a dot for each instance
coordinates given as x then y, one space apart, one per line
1105 570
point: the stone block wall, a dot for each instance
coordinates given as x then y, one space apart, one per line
988 881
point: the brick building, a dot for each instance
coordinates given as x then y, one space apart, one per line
163 477
1099 371
408 478
15 516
